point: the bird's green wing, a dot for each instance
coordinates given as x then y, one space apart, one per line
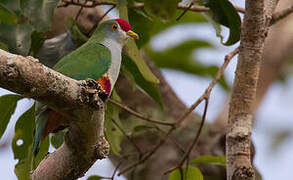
91 60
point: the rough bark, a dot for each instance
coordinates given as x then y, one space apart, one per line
238 142
79 100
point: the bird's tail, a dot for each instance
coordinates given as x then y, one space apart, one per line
41 122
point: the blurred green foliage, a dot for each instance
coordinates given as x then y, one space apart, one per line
7 106
188 173
219 160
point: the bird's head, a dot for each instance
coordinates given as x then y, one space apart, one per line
117 29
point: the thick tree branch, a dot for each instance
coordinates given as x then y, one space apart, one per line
77 100
253 34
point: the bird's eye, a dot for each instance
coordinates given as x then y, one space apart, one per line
114 27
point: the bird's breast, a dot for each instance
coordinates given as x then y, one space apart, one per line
114 69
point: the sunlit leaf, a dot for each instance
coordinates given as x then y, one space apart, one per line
134 54
224 13
219 160
139 128
7 16
188 173
95 177
22 144
7 106
150 88
113 134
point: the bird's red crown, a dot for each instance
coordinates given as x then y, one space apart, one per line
124 24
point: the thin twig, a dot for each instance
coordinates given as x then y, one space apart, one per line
220 72
205 96
195 141
185 10
139 115
128 138
93 3
99 20
162 141
194 8
116 169
79 11
173 140
277 16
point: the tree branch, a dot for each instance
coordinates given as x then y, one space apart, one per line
77 100
93 3
281 14
253 34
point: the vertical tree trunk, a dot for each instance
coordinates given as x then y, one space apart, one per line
238 140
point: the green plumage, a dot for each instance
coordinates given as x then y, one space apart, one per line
91 60
41 121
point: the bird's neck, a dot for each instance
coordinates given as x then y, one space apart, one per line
114 69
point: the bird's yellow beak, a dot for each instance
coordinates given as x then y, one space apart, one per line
132 34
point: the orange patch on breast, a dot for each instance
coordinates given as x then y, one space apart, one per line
105 83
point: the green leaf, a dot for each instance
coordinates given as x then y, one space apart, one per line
142 127
37 39
44 147
17 37
58 138
150 88
113 134
223 12
76 32
189 17
7 106
13 5
142 25
181 58
189 173
219 160
132 50
23 152
163 9
3 46
95 177
147 26
134 54
7 16
39 12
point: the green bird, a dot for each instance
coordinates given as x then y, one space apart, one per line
99 59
